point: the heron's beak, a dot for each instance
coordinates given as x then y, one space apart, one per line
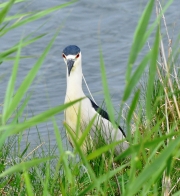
70 64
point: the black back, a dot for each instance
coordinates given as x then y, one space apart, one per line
104 114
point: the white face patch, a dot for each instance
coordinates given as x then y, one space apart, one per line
73 57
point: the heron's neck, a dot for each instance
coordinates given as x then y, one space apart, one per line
74 84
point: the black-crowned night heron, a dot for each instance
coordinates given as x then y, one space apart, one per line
85 110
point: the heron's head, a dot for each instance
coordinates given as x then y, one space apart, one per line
72 57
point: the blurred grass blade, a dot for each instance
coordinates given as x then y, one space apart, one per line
44 116
75 142
28 184
176 194
6 3
63 156
17 16
156 22
20 110
51 112
138 40
13 49
130 114
78 122
24 166
96 153
27 82
141 34
106 90
25 150
58 138
86 132
151 172
152 75
5 10
10 88
36 16
136 77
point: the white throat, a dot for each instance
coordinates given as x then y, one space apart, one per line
74 83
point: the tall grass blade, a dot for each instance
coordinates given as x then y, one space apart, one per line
139 33
135 77
106 89
28 184
96 153
86 132
44 116
5 10
20 110
63 155
10 87
17 16
156 22
130 113
152 74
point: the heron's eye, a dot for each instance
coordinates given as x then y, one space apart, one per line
63 55
77 56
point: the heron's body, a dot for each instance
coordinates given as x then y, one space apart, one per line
85 110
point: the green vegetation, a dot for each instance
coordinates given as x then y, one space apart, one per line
150 166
